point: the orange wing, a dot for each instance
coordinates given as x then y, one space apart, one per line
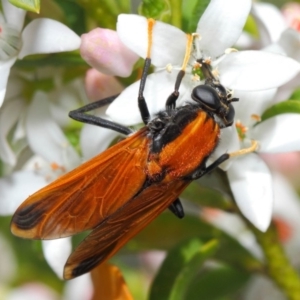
81 199
115 231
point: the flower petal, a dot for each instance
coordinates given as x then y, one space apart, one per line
158 88
15 188
252 103
45 137
4 71
48 36
65 98
133 32
251 184
9 115
271 18
56 253
79 288
221 25
290 41
256 70
285 91
13 15
277 134
103 50
229 142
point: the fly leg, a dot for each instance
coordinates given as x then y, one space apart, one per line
81 115
177 209
203 170
171 101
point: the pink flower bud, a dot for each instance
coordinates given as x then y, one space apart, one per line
99 86
103 50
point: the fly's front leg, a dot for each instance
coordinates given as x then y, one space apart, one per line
171 101
81 115
143 107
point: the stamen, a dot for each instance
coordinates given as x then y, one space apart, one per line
188 50
169 68
252 148
255 117
207 60
54 166
151 23
215 72
230 50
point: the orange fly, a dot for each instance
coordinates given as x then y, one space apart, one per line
117 193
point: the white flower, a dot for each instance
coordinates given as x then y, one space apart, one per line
17 113
250 178
39 36
279 37
245 71
53 156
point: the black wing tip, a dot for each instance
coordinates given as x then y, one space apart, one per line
74 270
27 217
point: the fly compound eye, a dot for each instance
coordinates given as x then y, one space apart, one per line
207 97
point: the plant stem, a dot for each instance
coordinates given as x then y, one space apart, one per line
278 266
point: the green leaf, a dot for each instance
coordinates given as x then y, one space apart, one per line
156 9
30 5
191 269
65 59
103 13
166 231
199 8
178 257
289 106
217 283
295 95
